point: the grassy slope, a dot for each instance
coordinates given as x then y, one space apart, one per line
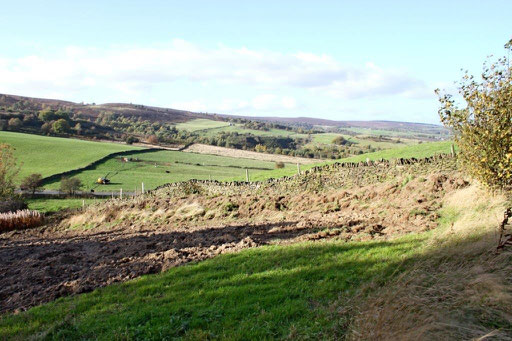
181 167
50 155
54 205
269 292
241 130
201 124
327 138
443 284
418 151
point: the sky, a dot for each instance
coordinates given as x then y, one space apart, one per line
338 60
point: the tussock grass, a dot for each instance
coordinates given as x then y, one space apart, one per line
20 220
458 289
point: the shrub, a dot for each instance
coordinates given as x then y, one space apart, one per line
483 128
12 205
15 123
8 171
70 185
60 126
32 183
279 164
20 220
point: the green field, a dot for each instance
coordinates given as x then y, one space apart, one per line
418 151
327 138
237 128
201 124
160 167
264 293
51 155
54 205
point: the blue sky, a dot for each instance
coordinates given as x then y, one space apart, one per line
341 60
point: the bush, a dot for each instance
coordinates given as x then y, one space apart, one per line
8 171
12 205
70 185
60 126
32 183
131 140
483 129
279 164
15 123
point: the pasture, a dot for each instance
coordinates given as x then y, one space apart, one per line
418 151
201 124
362 140
160 167
50 155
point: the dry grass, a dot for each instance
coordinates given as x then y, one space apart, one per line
458 289
19 220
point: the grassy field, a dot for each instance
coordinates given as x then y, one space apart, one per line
54 205
327 138
241 130
265 293
160 167
201 124
51 155
417 151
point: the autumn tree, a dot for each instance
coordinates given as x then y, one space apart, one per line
8 171
60 126
15 123
32 183
70 185
152 139
483 126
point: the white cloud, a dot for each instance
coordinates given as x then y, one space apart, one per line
263 103
131 70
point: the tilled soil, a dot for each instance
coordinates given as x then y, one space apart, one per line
38 266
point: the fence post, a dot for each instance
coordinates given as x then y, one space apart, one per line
298 168
142 188
121 193
247 175
83 203
452 150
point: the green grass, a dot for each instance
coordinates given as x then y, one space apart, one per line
201 124
152 170
46 205
327 138
418 151
264 293
241 130
51 155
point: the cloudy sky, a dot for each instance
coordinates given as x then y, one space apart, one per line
340 60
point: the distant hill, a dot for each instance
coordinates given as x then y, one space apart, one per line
156 114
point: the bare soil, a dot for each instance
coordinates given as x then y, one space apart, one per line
246 154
